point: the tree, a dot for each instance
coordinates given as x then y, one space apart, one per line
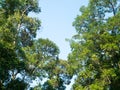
41 57
17 30
43 62
95 55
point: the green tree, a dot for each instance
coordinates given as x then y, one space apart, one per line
41 57
17 30
95 56
43 62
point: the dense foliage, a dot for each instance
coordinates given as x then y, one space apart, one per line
17 30
95 57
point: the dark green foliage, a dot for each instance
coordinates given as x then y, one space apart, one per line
47 86
17 30
16 85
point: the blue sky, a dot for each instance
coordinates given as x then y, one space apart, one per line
57 17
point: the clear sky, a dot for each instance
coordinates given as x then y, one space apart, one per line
57 17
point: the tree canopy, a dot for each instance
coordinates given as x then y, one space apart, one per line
95 48
17 30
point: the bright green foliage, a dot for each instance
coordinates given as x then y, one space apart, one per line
95 57
43 62
41 57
